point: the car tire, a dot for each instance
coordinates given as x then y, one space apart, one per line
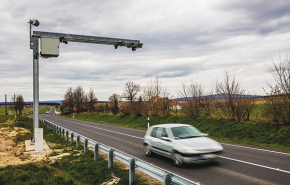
177 159
147 150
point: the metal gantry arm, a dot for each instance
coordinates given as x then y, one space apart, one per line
64 37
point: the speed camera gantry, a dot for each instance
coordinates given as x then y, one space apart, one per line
49 47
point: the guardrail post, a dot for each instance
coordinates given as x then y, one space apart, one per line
86 146
78 141
96 154
166 179
63 133
110 159
71 138
60 131
131 171
66 133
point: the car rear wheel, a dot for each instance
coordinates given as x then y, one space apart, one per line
147 150
177 159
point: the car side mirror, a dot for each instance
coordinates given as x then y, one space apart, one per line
165 139
203 134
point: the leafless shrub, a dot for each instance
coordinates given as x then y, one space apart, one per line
277 105
18 102
192 94
232 102
114 98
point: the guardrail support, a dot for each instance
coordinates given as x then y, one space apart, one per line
86 146
56 131
110 159
131 171
96 154
166 179
71 138
78 141
60 131
66 133
63 133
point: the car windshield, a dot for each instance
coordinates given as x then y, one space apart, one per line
185 132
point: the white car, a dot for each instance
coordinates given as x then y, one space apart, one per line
182 143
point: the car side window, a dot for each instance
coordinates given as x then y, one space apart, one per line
164 133
154 132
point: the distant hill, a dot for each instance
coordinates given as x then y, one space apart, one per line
220 97
52 102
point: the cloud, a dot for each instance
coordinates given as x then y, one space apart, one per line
183 40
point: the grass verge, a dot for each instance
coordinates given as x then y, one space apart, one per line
74 168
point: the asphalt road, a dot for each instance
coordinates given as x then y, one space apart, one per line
238 165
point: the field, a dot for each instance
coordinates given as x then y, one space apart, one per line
29 109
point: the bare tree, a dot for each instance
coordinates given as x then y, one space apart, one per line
130 91
192 95
79 95
13 101
92 99
18 102
278 102
152 94
114 98
69 99
231 100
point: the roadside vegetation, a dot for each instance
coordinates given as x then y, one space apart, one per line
66 164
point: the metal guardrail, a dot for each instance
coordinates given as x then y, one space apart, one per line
160 174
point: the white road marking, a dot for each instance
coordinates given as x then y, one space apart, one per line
257 149
276 169
106 130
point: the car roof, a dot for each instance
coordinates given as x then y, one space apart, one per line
171 125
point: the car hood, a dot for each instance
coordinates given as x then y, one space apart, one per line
200 144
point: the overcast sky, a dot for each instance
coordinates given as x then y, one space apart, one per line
183 41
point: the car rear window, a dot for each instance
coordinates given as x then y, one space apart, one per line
154 132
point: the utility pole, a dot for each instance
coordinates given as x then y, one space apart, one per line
6 104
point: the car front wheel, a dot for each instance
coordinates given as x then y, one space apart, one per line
177 159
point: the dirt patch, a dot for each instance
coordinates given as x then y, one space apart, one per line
11 151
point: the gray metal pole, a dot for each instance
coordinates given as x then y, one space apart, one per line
131 171
96 154
110 159
86 146
166 179
78 141
71 138
35 84
66 133
6 104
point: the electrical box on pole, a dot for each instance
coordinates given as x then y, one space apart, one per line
49 47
